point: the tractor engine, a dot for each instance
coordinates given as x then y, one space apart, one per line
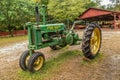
41 36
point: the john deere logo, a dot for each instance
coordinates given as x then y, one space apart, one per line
53 27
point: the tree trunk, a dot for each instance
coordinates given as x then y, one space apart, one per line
10 31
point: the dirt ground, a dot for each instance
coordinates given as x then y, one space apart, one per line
106 68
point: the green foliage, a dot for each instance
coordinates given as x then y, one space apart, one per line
15 13
115 5
65 9
62 9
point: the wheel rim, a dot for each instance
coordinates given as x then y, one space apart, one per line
95 41
27 59
38 63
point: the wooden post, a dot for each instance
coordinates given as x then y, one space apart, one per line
115 21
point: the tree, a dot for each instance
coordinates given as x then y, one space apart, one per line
14 14
62 9
115 5
98 3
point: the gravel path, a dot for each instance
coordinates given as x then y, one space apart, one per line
14 47
9 56
108 69
11 53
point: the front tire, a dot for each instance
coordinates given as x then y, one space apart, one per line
23 61
36 62
91 41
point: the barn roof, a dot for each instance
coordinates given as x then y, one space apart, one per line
98 14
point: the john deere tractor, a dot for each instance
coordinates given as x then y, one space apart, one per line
56 36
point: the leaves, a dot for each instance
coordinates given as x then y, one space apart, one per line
15 13
62 9
114 5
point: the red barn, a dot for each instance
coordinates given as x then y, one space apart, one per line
100 15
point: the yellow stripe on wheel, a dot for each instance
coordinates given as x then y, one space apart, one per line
95 41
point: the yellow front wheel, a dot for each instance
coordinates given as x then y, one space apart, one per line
36 62
91 41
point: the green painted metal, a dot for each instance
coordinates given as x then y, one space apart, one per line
69 39
52 27
43 13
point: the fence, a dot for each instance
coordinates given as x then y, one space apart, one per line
17 32
80 27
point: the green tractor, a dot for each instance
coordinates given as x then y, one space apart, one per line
56 36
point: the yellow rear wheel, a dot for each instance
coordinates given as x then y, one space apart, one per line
95 41
91 41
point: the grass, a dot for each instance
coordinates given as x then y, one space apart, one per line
10 40
50 68
96 60
53 66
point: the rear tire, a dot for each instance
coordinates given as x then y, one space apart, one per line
91 41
